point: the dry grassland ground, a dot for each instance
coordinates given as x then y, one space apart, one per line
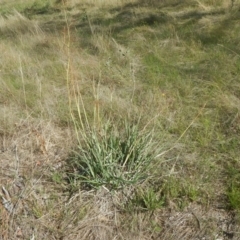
120 119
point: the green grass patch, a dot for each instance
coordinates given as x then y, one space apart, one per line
146 199
233 191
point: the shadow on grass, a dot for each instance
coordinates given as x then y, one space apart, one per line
154 14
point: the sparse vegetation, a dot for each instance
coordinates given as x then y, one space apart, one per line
119 119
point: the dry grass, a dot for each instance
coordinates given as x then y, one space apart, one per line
29 155
172 64
17 24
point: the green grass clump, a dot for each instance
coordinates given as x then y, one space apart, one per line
112 158
233 190
146 200
233 195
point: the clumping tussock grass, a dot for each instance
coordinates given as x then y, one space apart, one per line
112 158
